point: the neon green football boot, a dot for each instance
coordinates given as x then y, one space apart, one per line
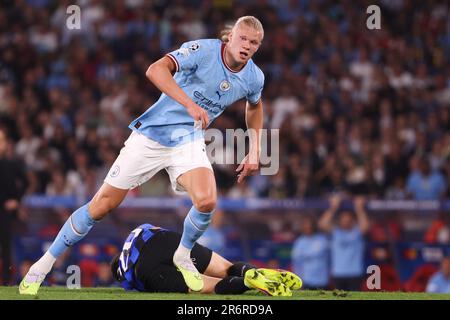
31 288
289 279
190 274
256 280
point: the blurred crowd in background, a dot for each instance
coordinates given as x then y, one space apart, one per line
359 111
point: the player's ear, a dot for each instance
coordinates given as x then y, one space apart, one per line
230 35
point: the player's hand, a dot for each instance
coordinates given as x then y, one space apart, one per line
247 168
359 202
11 204
199 114
335 202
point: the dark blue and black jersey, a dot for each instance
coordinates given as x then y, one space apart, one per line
145 263
131 251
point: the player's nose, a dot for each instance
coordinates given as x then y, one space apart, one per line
246 45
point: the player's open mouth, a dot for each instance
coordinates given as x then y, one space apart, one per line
243 54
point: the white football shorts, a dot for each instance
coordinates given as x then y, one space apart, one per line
141 158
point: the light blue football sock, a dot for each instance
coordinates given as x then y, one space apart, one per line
75 229
195 224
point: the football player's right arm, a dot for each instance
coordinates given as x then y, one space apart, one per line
160 74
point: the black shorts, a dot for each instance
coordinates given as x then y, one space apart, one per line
155 266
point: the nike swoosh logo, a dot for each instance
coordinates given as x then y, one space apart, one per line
23 286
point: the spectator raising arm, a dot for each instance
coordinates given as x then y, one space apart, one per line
361 214
326 219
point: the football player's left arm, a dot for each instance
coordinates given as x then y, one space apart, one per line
254 120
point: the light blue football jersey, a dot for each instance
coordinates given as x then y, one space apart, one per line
347 252
203 75
310 259
438 283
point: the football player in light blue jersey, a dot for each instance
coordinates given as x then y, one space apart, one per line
213 86
197 81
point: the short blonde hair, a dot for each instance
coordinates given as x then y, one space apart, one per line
250 21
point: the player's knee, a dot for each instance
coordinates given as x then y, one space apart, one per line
205 204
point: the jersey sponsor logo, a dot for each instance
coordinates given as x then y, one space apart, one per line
207 104
115 171
225 85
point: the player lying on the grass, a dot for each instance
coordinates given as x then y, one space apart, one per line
145 264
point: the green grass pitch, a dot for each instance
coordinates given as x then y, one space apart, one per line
62 293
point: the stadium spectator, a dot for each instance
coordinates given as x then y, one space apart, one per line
439 230
347 243
440 281
310 256
425 184
12 188
282 231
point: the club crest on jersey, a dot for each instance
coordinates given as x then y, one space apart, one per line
225 85
115 171
194 47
